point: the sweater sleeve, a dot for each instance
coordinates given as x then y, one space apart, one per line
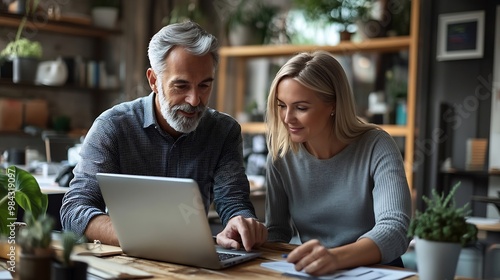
391 200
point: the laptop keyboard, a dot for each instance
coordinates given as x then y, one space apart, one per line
225 256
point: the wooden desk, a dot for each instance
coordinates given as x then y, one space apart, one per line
489 227
248 270
49 186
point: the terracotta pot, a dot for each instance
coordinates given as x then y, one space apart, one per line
345 36
35 266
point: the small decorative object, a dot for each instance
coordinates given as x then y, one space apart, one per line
460 36
24 53
65 268
440 233
343 14
105 13
23 7
36 251
52 73
475 158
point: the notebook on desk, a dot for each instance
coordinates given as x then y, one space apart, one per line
164 219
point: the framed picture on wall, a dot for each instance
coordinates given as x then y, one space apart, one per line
460 36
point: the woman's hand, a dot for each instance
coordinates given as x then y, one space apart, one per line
313 258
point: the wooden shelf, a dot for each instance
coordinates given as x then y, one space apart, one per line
253 128
240 55
7 83
260 128
471 173
13 20
391 44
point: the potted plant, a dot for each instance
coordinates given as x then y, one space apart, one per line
343 14
18 188
440 232
36 250
65 268
24 53
248 22
105 13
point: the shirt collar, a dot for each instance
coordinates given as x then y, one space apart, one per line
150 116
149 111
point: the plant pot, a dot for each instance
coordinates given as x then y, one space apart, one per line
10 254
77 271
104 17
6 69
24 70
345 36
241 35
370 28
9 250
437 260
35 266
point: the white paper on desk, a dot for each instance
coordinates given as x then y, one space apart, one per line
107 269
360 273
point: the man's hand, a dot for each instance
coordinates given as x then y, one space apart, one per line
100 228
247 231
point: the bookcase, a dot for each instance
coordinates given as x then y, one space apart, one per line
242 54
79 89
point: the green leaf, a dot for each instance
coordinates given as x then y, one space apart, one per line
27 192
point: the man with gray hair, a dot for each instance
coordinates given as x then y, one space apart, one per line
171 133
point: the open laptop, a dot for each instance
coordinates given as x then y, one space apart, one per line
162 218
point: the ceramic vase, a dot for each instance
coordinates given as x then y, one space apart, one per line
437 260
24 70
105 17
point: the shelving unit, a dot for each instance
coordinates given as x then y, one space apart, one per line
67 29
61 27
378 45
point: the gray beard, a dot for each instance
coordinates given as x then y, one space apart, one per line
177 121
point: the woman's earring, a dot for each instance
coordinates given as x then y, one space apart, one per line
332 113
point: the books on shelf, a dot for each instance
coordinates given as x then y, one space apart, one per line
476 154
89 74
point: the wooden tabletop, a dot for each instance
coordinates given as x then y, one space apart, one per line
248 270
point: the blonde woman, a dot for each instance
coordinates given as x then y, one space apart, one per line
337 182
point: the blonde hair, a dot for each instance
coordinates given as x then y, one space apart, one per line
321 72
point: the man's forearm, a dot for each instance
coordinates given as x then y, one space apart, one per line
100 228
